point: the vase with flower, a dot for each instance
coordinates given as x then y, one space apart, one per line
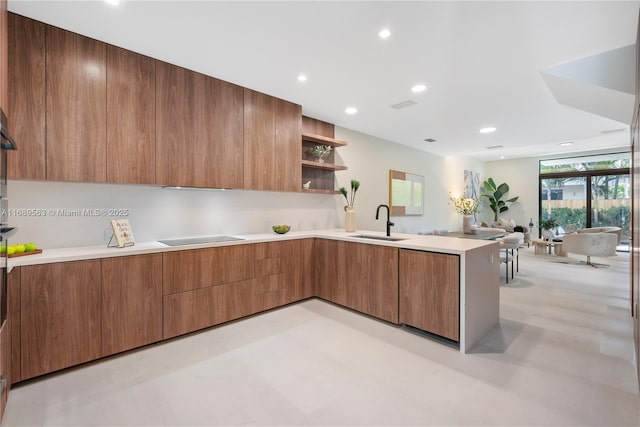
467 207
320 152
349 212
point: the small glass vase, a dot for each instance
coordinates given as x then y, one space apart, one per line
349 219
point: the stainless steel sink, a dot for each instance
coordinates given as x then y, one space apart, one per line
387 238
198 240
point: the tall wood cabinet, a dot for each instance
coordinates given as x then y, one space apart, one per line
76 107
199 129
272 130
27 98
131 117
430 292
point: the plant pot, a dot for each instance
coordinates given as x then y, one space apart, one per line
349 219
548 234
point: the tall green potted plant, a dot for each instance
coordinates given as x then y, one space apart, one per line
495 194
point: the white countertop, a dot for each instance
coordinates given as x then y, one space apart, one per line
443 244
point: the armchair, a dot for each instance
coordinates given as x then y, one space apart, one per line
591 244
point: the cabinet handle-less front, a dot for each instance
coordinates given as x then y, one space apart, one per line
3 384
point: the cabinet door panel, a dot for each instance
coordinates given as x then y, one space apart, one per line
131 117
13 315
259 141
430 292
5 366
199 129
288 148
131 302
27 98
188 270
75 107
189 311
378 280
61 320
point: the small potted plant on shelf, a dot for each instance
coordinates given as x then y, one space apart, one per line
320 152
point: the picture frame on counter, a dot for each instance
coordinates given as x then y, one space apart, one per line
122 233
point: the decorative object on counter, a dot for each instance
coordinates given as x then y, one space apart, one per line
349 212
281 229
20 249
122 232
306 185
495 194
321 151
467 207
548 226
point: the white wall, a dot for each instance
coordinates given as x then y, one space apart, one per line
369 160
157 213
522 177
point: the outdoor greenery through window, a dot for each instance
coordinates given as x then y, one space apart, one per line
587 191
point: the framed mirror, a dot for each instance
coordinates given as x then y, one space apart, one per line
406 193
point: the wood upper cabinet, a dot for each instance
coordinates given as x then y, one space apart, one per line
60 316
199 128
76 105
360 276
430 292
4 58
272 132
131 302
27 98
131 117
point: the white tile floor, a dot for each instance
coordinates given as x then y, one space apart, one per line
562 356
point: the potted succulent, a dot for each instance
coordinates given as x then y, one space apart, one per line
320 152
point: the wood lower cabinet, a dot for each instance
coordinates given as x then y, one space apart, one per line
76 107
131 302
359 276
60 316
5 365
199 130
430 292
131 117
13 315
27 98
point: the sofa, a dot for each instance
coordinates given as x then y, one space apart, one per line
510 226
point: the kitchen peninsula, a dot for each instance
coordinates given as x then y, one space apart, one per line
119 299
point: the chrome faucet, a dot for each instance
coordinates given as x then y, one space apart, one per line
389 223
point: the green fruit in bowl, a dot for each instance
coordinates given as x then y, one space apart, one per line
20 248
11 250
3 249
30 247
281 229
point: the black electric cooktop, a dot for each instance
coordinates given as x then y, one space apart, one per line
198 240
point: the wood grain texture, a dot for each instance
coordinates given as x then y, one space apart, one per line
75 107
332 275
430 292
131 117
199 128
27 98
259 141
288 151
60 316
131 302
189 270
13 316
4 58
318 127
377 274
5 364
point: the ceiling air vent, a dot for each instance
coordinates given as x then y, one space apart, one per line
613 130
493 147
403 104
430 140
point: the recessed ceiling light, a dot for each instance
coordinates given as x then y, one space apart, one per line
351 110
302 78
384 33
565 144
487 130
113 2
501 157
419 88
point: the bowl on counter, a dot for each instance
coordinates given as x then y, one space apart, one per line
281 229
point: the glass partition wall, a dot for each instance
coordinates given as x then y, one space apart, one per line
587 191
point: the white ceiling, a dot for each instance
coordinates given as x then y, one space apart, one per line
482 61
